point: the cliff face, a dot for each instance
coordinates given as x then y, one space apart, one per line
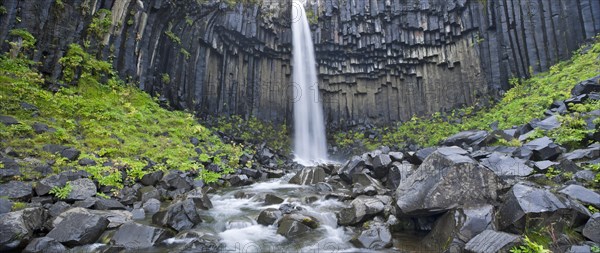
379 60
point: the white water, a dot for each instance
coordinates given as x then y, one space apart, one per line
310 144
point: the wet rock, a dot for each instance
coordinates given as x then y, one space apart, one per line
269 216
586 87
444 181
58 208
582 194
583 154
253 173
584 176
152 179
40 128
309 176
179 216
544 149
70 153
115 217
200 199
353 166
200 242
274 173
366 181
138 214
175 179
466 138
399 172
44 186
288 208
492 241
291 225
44 245
86 203
79 228
108 204
8 120
147 192
360 210
239 180
81 189
152 206
456 227
17 228
381 165
16 190
592 228
419 156
5 205
265 155
137 236
271 199
323 187
375 236
506 166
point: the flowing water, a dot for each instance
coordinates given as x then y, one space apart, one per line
310 144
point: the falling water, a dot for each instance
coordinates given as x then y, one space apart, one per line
310 145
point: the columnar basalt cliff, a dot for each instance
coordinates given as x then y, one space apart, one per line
379 60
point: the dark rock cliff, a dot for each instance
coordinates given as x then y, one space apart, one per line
379 60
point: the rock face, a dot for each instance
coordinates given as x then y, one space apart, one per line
445 179
378 60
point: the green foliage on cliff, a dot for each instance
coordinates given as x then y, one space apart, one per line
106 119
525 101
256 131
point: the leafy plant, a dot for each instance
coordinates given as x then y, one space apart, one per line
61 192
529 246
100 24
595 249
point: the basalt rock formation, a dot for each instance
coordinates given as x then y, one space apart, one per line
380 61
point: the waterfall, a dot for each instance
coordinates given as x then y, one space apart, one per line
310 144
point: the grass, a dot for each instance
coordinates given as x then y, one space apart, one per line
106 119
525 101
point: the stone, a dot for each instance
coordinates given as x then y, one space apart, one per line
115 217
456 227
396 156
40 128
152 179
399 172
268 216
44 186
580 249
365 181
360 209
444 181
8 120
586 87
200 199
288 208
108 204
44 245
291 225
5 205
544 149
198 241
82 189
271 199
17 228
492 241
544 165
253 173
86 162
147 192
70 153
582 194
265 155
138 214
375 236
583 154
419 156
381 165
175 179
466 138
585 176
592 228
239 180
137 236
506 166
352 166
547 124
58 208
79 228
309 176
151 206
180 215
17 190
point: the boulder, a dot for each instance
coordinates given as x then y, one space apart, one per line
457 226
492 241
364 181
239 180
82 189
547 124
375 236
291 225
147 192
269 216
79 228
16 190
587 86
444 180
40 128
353 166
585 176
360 209
506 166
44 245
465 138
399 172
580 249
271 199
589 153
70 153
592 228
396 156
200 199
115 217
44 186
543 149
180 215
8 120
199 241
17 228
151 206
309 176
108 204
152 179
419 156
86 162
582 194
175 180
137 236
381 165
5 205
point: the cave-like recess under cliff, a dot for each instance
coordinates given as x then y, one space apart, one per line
379 60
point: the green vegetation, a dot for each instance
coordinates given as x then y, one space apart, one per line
255 131
61 192
104 118
529 247
100 24
595 249
174 38
527 100
313 18
18 206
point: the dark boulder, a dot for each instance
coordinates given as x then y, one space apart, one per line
5 205
466 138
79 228
582 194
444 180
364 181
547 124
592 228
309 176
8 120
492 241
137 236
587 86
180 215
198 241
16 190
291 225
506 166
351 167
360 209
419 156
175 180
265 155
381 164
239 180
151 206
70 153
271 199
152 179
375 236
543 149
269 216
82 189
17 228
44 186
40 128
147 192
399 172
201 199
86 162
53 148
44 245
253 173
115 217
108 204
589 153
